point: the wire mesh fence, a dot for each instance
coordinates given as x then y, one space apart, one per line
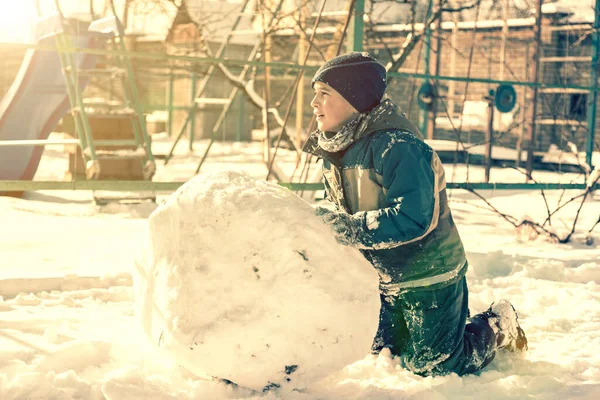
481 53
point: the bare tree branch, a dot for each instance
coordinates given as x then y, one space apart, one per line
462 8
407 47
585 195
594 226
509 218
540 228
413 38
543 194
512 220
250 92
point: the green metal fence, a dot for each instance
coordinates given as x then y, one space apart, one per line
130 186
357 39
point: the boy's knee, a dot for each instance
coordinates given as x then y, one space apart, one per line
429 369
425 362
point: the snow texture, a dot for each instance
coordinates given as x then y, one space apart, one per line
242 281
68 328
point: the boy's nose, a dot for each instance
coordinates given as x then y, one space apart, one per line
313 101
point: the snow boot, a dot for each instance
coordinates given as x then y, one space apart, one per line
503 320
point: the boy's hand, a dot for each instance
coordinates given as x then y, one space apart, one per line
346 229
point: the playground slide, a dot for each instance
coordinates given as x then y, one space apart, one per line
33 106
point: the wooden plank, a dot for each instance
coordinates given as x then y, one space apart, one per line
566 59
563 90
562 122
206 100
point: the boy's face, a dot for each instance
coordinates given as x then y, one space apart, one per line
332 110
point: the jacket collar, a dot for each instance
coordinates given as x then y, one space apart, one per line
312 147
385 116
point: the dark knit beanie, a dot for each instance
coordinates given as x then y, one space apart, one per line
358 77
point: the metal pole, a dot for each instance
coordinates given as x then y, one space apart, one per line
489 136
267 84
240 122
451 84
358 30
302 47
438 60
427 46
505 6
522 94
170 104
593 95
192 112
126 14
504 37
58 9
534 101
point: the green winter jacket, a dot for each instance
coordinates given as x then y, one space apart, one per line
394 183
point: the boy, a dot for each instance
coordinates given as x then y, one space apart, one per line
389 190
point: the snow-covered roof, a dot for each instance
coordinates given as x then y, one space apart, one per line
580 11
145 18
391 16
218 17
152 20
554 8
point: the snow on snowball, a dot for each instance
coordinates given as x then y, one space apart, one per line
240 280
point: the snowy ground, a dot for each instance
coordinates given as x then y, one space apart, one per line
68 330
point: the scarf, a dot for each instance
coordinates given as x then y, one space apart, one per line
353 129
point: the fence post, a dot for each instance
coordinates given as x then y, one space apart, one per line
193 111
170 104
427 49
358 26
593 95
489 137
536 75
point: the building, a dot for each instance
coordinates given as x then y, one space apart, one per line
470 44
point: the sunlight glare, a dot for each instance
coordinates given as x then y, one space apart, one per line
16 20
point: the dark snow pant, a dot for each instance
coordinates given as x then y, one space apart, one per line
428 329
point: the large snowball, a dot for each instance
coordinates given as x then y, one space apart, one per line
241 281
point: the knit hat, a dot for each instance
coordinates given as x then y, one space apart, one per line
358 77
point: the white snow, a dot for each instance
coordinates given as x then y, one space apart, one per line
242 281
68 328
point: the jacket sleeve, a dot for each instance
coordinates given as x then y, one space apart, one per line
411 197
328 196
